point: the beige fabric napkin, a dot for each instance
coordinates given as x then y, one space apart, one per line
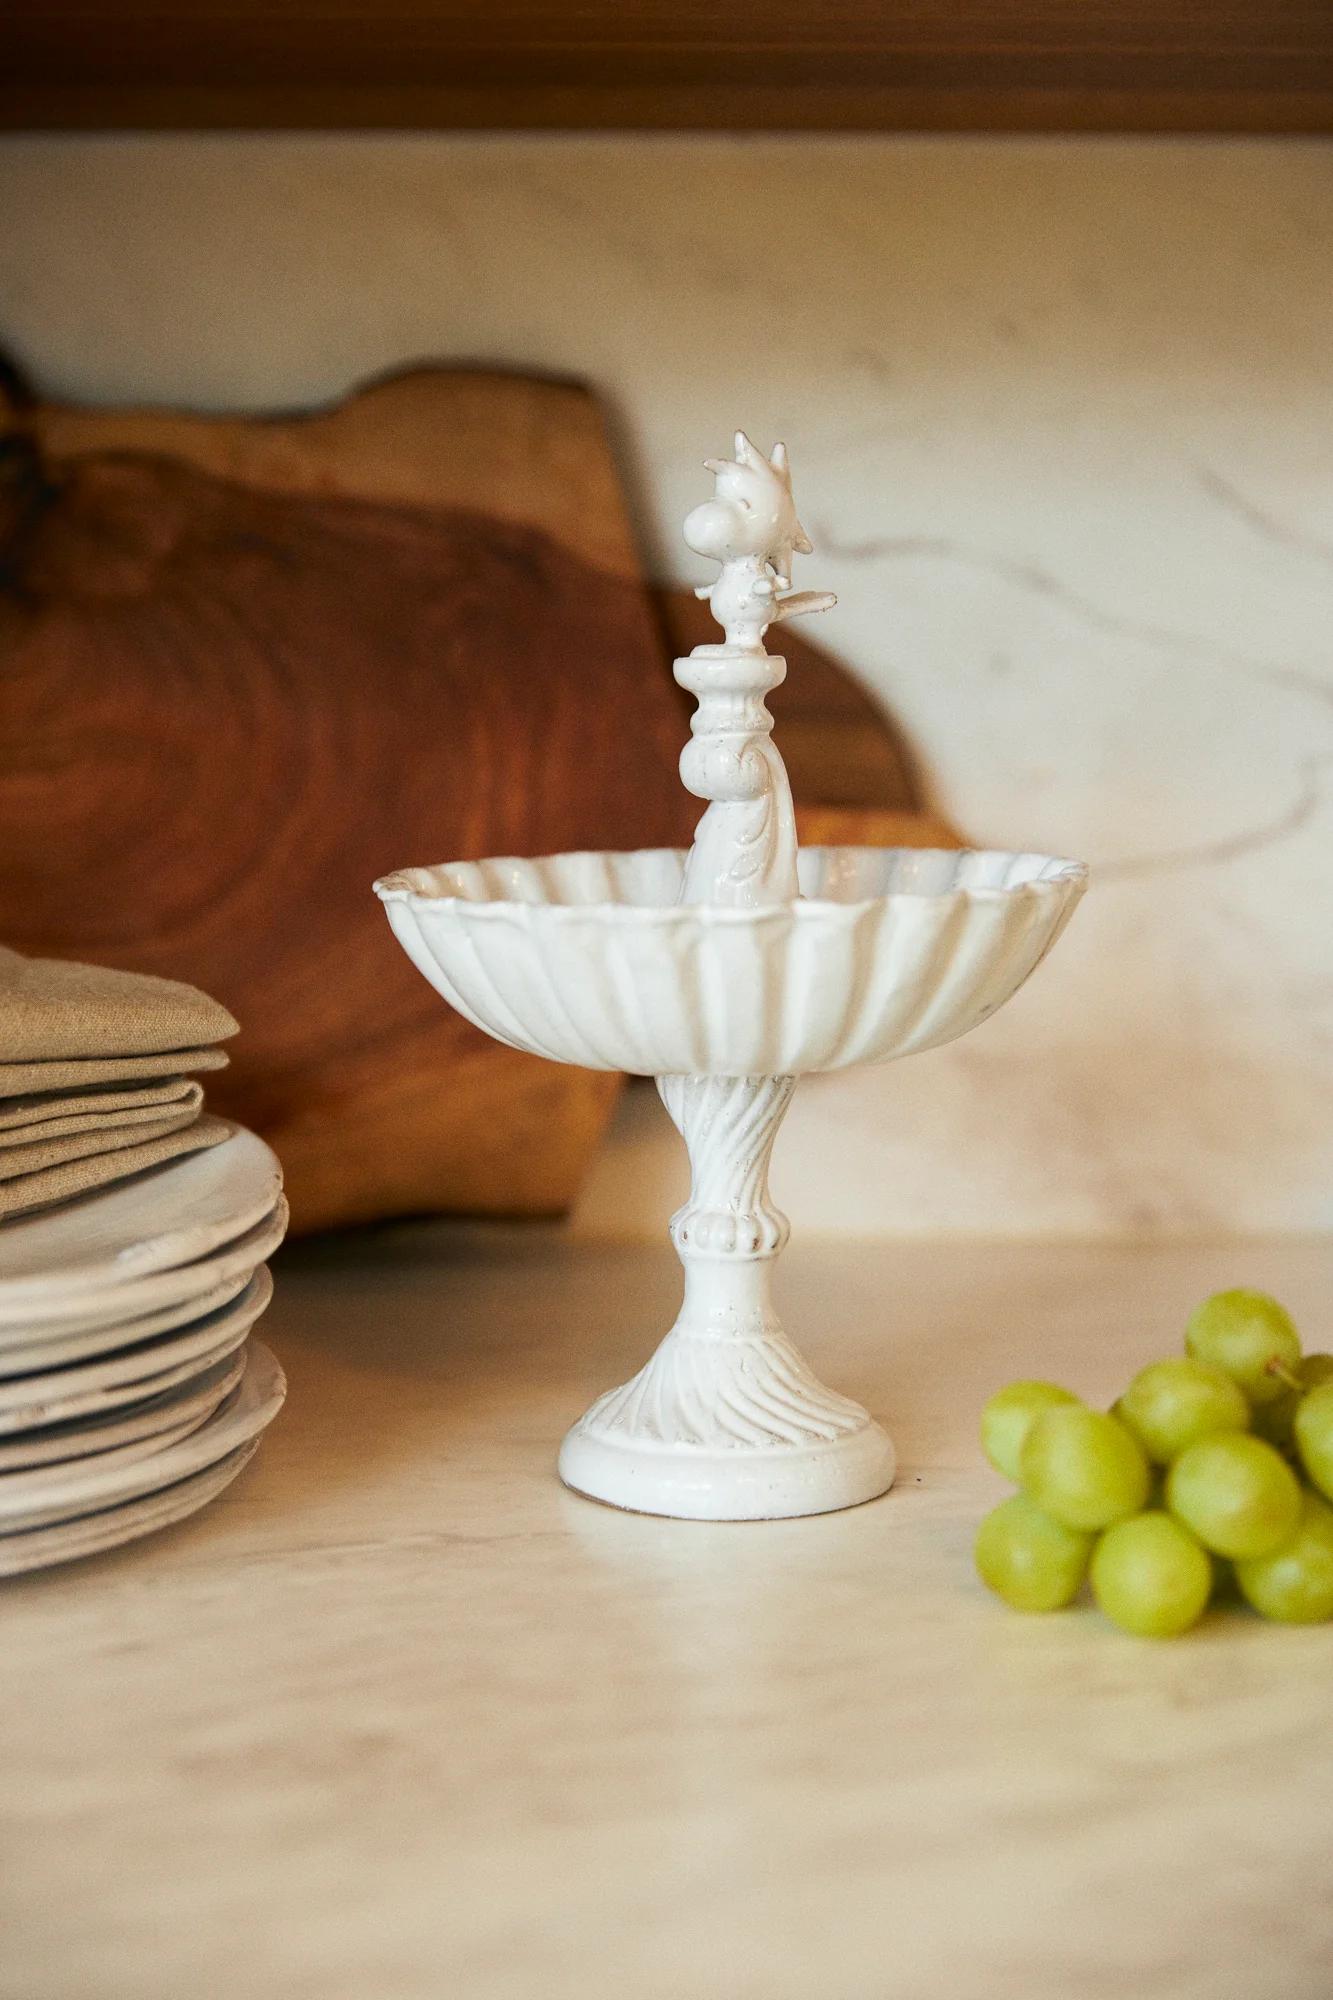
54 1009
74 1074
75 1177
94 1076
51 1114
36 1155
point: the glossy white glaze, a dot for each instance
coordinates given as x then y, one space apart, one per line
590 959
726 1421
744 852
726 973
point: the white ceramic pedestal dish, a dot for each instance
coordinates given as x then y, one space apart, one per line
727 972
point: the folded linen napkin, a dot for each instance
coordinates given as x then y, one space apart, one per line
93 1076
53 1009
51 1114
75 1177
73 1073
33 1156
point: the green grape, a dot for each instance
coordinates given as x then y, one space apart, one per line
1028 1559
1237 1494
1250 1336
1150 1576
1313 1427
1274 1420
1294 1585
1008 1417
1171 1404
1084 1467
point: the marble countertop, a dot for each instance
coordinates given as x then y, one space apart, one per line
399 1718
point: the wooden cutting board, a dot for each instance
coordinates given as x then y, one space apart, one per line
247 665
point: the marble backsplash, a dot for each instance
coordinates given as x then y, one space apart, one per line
1060 419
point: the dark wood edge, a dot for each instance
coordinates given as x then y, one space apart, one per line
777 108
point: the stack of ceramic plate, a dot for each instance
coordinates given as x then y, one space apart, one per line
130 1393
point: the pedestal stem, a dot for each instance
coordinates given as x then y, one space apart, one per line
726 1421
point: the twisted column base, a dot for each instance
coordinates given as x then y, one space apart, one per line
726 1422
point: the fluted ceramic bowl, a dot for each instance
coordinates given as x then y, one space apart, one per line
589 959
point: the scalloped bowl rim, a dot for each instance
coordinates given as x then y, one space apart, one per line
1051 873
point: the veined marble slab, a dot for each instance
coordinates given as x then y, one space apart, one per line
1061 411
400 1716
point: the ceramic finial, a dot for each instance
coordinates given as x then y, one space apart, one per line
750 526
744 851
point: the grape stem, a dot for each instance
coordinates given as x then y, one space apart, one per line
1279 1368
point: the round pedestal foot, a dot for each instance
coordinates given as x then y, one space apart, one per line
728 1483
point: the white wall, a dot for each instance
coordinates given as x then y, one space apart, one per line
1060 416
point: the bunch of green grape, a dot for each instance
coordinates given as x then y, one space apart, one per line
1214 1465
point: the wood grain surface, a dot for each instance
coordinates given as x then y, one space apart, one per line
249 666
1136 65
